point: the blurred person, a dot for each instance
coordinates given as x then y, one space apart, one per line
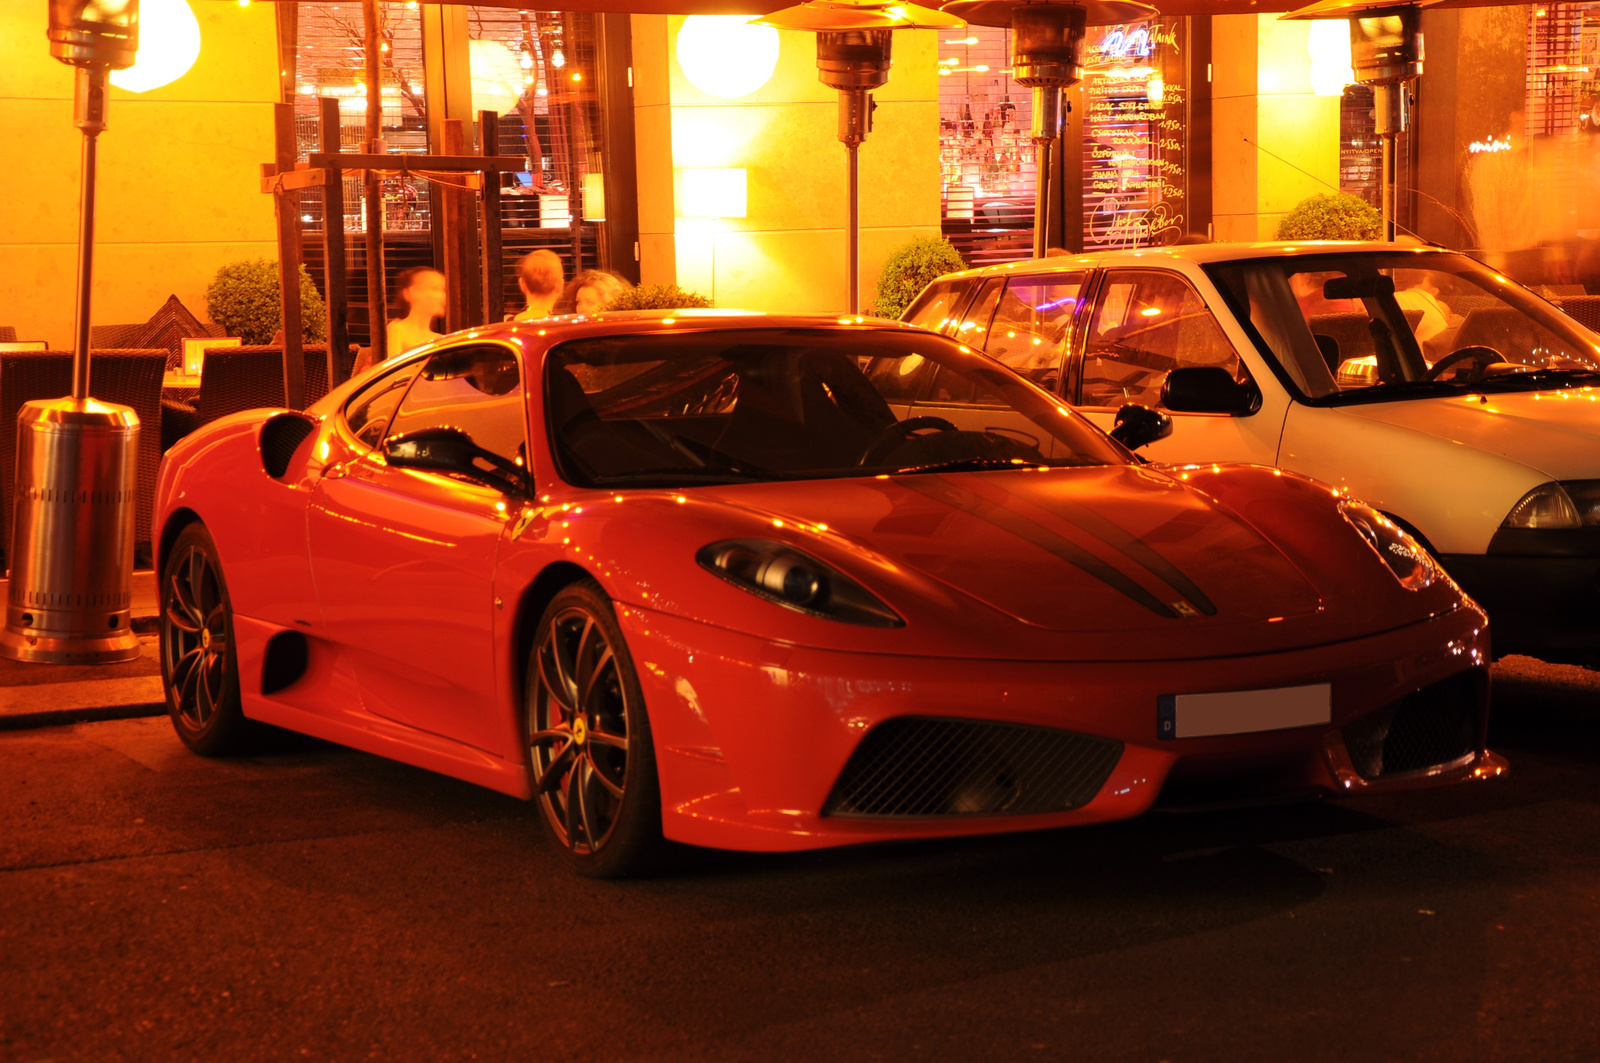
420 296
1421 293
540 277
591 291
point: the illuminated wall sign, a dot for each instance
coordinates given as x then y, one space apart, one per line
1479 147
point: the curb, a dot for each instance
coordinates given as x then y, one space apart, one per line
28 721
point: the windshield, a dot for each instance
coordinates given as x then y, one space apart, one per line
792 404
1372 326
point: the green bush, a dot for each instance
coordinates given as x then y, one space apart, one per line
909 270
1332 217
657 297
244 300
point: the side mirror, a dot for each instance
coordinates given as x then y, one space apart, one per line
1137 426
1206 389
452 451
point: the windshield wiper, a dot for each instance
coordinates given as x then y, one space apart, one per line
670 476
967 465
1538 380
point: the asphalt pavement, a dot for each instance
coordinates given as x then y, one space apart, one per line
318 903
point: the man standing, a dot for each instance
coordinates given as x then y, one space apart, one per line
541 279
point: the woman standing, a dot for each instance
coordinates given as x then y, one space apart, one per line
420 296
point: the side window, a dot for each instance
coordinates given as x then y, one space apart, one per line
952 388
1032 323
935 307
477 389
1147 324
973 329
368 412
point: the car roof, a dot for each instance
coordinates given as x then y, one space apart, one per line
551 330
1195 253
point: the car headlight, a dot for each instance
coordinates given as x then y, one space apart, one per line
1407 559
1569 504
782 574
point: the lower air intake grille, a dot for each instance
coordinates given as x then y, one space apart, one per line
925 766
1434 726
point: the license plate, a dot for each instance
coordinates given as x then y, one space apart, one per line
1243 711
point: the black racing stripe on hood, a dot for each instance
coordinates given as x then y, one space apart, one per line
941 490
1121 539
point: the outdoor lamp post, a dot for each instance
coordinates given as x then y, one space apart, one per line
853 45
71 550
1047 57
1385 53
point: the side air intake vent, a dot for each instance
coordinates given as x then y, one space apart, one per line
1435 726
930 766
281 436
284 662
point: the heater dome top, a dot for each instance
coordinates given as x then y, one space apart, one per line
823 16
1000 12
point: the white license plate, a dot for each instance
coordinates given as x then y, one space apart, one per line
1243 711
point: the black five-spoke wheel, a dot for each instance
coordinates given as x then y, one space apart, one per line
198 664
589 741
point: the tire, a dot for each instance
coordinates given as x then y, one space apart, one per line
199 662
590 756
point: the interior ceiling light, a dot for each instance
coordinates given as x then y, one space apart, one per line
726 56
169 44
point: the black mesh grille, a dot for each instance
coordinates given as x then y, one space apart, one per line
922 766
280 437
1434 726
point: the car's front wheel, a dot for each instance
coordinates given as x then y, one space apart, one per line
199 666
592 761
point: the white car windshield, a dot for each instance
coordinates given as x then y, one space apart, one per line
1366 326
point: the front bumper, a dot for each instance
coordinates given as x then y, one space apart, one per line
752 736
1541 590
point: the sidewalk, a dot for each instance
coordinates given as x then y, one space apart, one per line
47 695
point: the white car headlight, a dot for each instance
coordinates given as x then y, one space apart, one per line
1407 559
1546 506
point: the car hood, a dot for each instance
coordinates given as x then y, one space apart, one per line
1554 432
1072 550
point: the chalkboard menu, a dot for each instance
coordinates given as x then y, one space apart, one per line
1135 186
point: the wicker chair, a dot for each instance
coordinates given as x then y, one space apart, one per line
126 377
8 334
114 337
233 379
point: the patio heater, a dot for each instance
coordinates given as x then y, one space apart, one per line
71 550
1386 53
853 48
1047 57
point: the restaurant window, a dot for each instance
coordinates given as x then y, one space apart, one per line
329 60
1134 150
537 70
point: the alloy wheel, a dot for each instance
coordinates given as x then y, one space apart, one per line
578 728
194 642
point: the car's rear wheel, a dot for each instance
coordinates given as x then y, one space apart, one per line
592 762
199 665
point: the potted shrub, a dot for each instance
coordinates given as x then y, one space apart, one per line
657 297
909 270
1332 216
244 300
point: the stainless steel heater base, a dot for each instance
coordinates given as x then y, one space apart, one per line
72 534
